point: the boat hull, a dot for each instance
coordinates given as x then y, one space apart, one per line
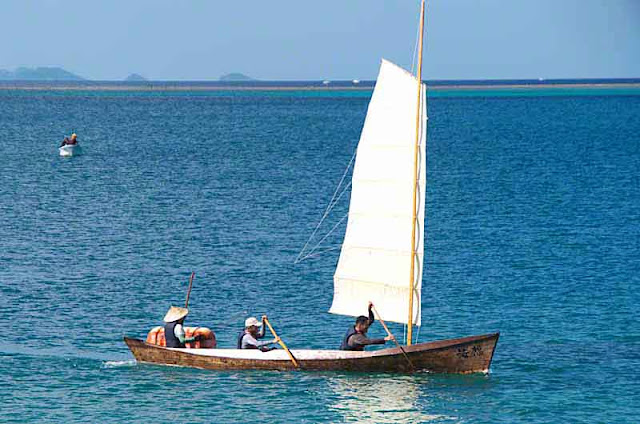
69 150
465 355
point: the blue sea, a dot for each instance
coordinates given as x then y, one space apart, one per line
533 230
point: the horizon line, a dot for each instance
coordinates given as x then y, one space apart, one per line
323 81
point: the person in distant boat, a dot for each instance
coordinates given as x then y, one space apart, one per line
253 331
173 330
70 141
356 336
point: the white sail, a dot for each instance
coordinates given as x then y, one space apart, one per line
374 263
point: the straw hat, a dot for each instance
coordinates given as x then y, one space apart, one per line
175 313
252 322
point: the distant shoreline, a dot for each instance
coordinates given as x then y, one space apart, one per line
291 86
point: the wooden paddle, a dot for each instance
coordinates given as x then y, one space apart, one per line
392 336
284 346
186 303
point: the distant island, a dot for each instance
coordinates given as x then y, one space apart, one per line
39 74
236 76
135 77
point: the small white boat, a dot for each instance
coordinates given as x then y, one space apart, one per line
69 150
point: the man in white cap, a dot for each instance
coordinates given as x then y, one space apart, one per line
254 330
173 330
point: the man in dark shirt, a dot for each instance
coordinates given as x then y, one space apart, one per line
70 142
356 336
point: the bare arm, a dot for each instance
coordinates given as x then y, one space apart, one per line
178 331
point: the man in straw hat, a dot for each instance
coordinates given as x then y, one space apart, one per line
173 331
248 339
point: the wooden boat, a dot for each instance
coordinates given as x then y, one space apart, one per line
465 355
382 256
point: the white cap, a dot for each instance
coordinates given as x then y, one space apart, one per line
252 322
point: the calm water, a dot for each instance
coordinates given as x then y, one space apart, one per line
533 229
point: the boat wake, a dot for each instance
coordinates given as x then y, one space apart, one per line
118 364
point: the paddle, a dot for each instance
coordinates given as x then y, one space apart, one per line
284 346
392 336
186 303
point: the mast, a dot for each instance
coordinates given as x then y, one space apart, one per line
415 182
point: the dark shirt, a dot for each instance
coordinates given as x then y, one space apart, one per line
358 341
69 141
170 335
371 318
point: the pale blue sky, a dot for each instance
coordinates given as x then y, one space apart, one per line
325 39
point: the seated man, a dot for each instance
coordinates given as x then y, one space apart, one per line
248 339
356 336
173 330
72 141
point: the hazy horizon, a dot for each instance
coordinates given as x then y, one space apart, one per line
289 41
634 80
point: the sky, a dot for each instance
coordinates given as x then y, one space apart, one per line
323 39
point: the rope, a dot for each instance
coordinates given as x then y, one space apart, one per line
418 223
310 254
332 203
320 252
346 188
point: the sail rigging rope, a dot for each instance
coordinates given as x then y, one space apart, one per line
318 253
311 251
404 333
308 253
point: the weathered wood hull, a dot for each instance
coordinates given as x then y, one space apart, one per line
465 355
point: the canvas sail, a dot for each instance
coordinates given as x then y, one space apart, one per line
374 262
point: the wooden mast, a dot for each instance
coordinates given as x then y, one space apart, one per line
415 182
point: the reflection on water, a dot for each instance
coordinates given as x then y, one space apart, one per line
381 399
